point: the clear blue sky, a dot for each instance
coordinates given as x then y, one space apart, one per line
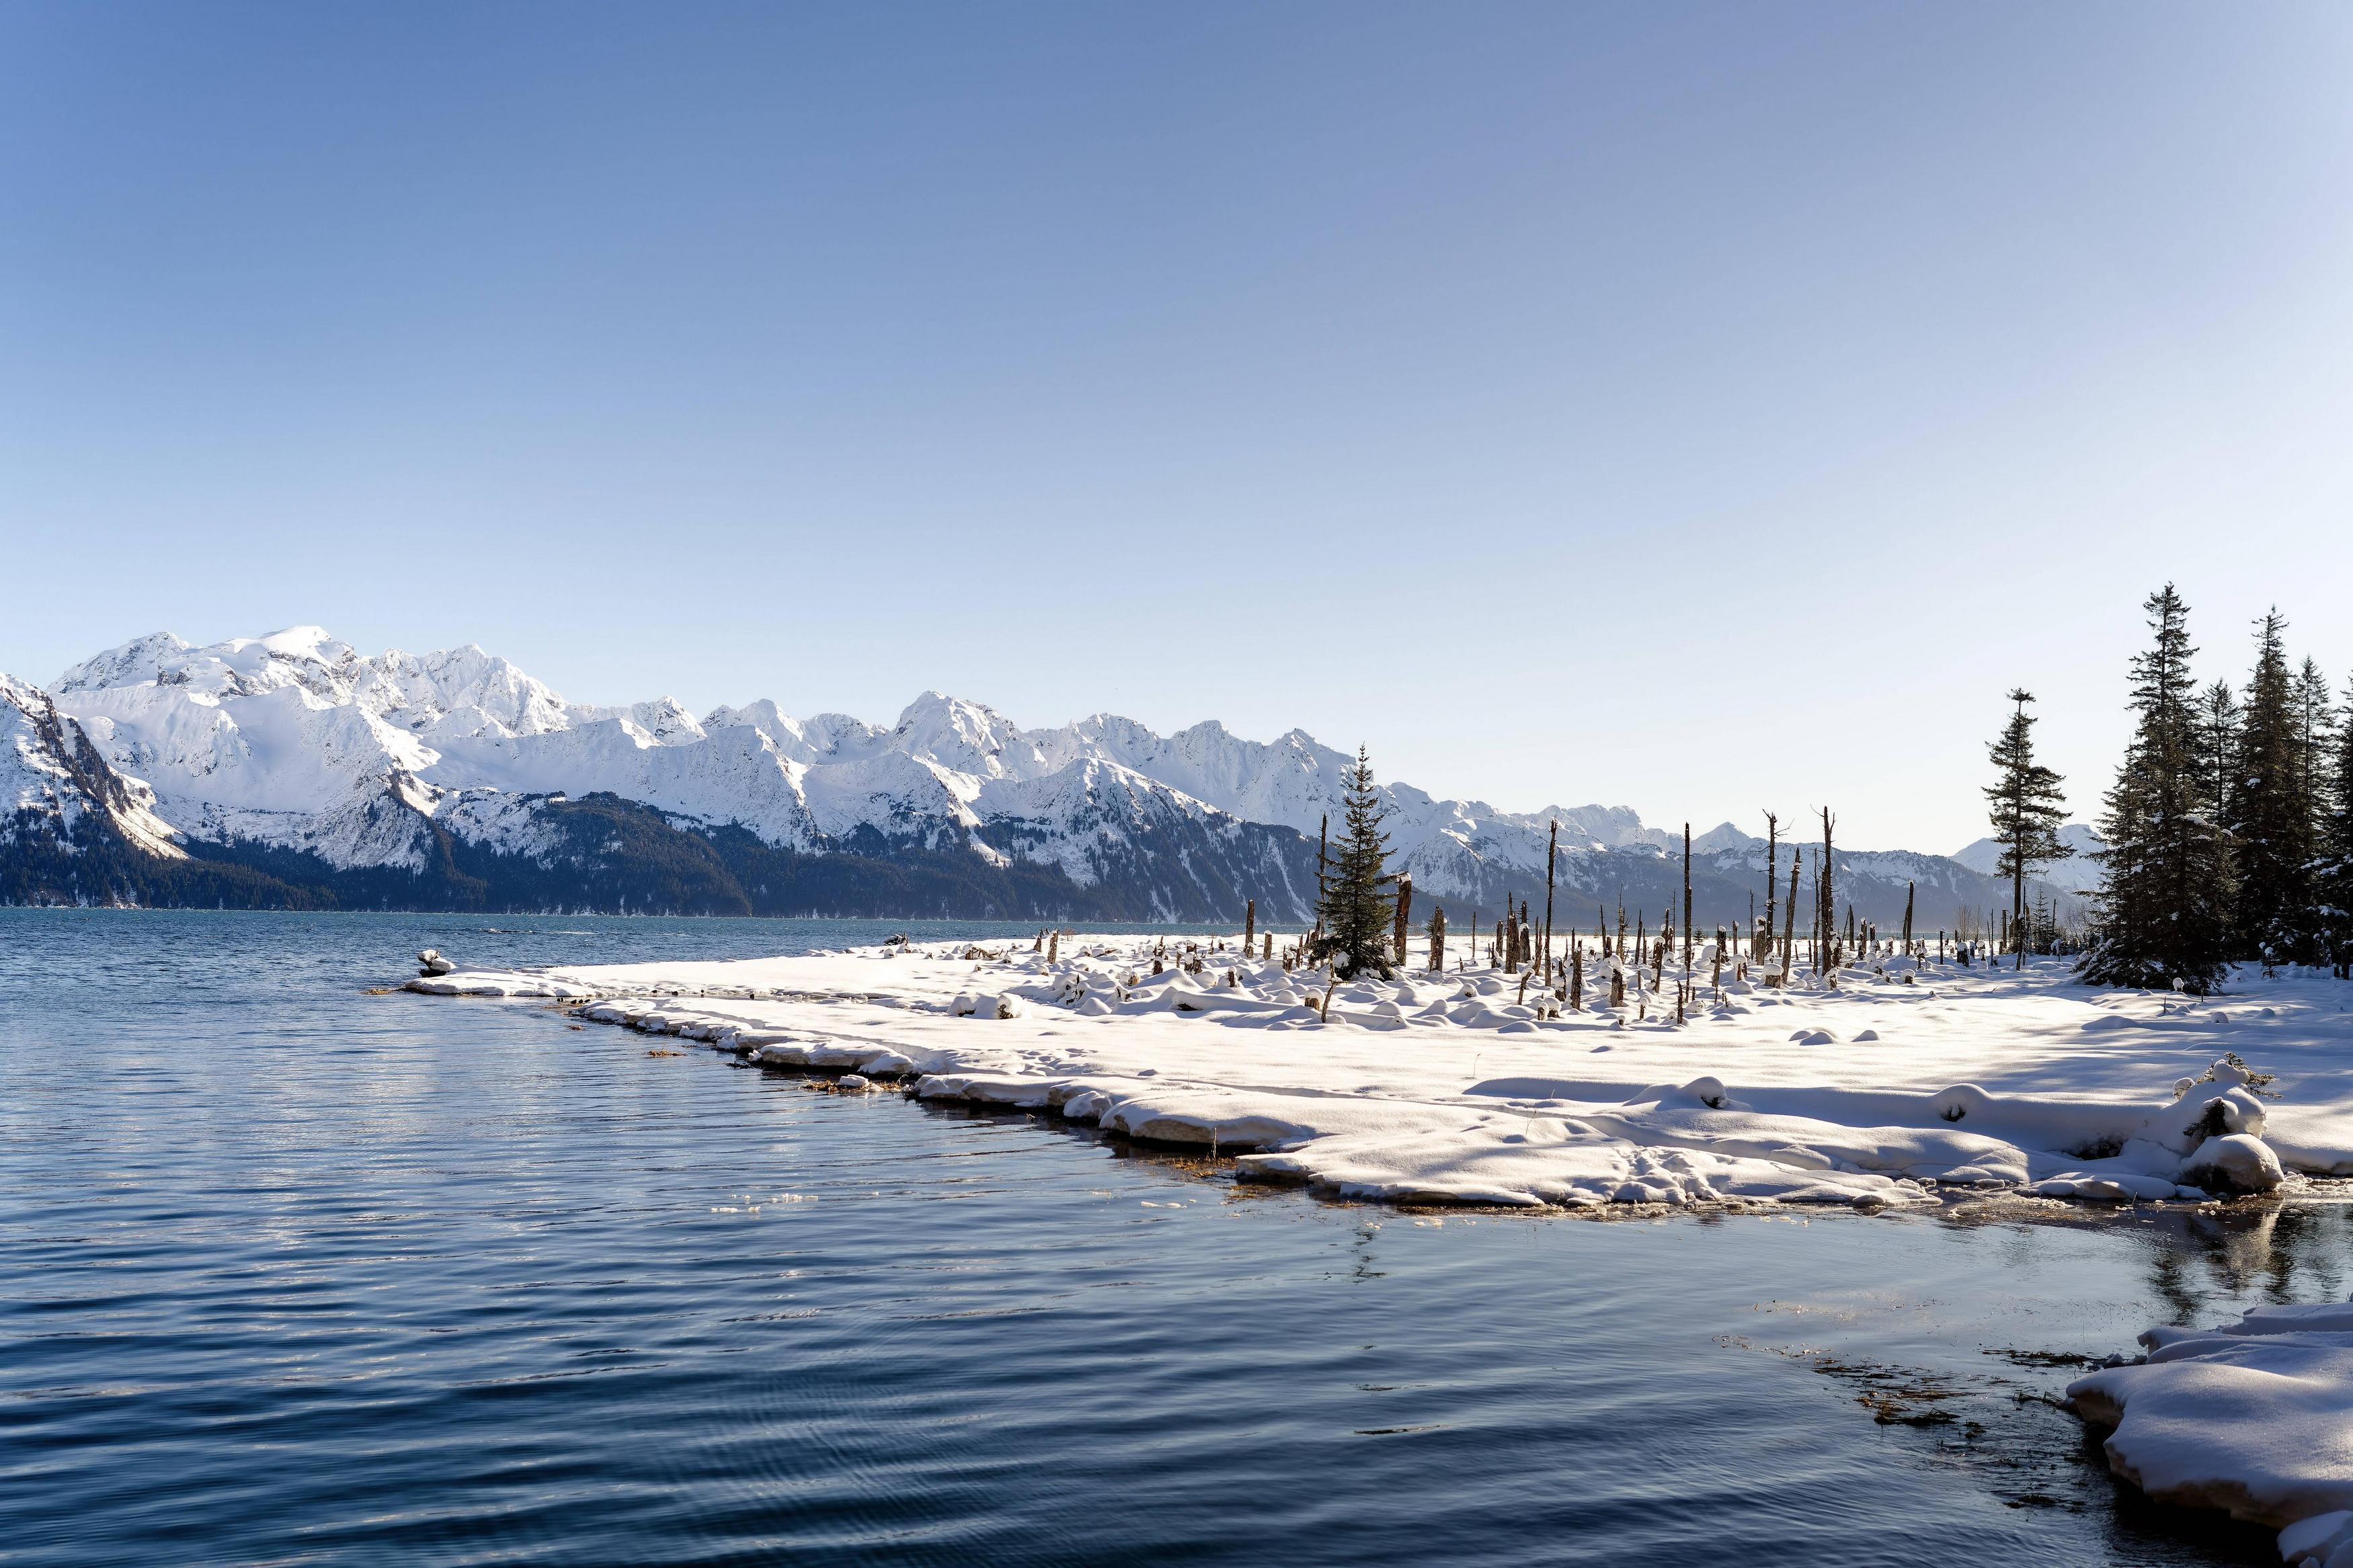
1700 408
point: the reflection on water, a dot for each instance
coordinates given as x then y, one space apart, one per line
295 1272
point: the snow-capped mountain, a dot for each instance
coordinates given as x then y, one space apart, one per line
57 790
423 767
2079 873
455 775
75 830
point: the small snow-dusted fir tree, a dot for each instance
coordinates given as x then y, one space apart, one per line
2027 807
2165 900
2272 813
1355 914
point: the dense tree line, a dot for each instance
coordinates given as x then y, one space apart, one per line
2229 826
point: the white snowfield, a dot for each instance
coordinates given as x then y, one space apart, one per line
2256 1417
1461 1087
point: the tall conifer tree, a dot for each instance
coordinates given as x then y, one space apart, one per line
2334 870
2166 900
2027 810
1357 908
2218 719
2271 816
2315 729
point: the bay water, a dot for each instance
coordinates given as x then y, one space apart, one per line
293 1272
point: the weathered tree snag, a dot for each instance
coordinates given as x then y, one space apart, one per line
1687 909
1789 920
1404 914
1437 939
1323 865
1825 874
1552 854
1249 925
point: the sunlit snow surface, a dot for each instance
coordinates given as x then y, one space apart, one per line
2256 1417
1471 1087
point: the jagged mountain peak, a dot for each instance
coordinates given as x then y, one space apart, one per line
297 743
297 656
967 738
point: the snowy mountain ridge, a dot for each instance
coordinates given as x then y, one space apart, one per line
298 743
2079 873
285 738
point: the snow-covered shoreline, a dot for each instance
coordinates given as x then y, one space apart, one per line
2249 1418
1471 1088
1904 1082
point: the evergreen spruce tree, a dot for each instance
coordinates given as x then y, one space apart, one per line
2316 732
1356 909
2027 810
2272 813
2218 719
2334 877
2166 898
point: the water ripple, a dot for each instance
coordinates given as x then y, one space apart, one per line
297 1274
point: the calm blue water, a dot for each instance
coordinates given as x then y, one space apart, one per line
290 1274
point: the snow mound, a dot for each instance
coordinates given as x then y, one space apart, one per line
2248 1417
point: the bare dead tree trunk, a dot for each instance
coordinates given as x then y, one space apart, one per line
1575 976
1249 925
1552 854
1437 939
1907 920
1824 875
1323 844
1404 914
1687 909
1772 887
1789 920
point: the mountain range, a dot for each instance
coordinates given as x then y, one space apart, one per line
294 771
